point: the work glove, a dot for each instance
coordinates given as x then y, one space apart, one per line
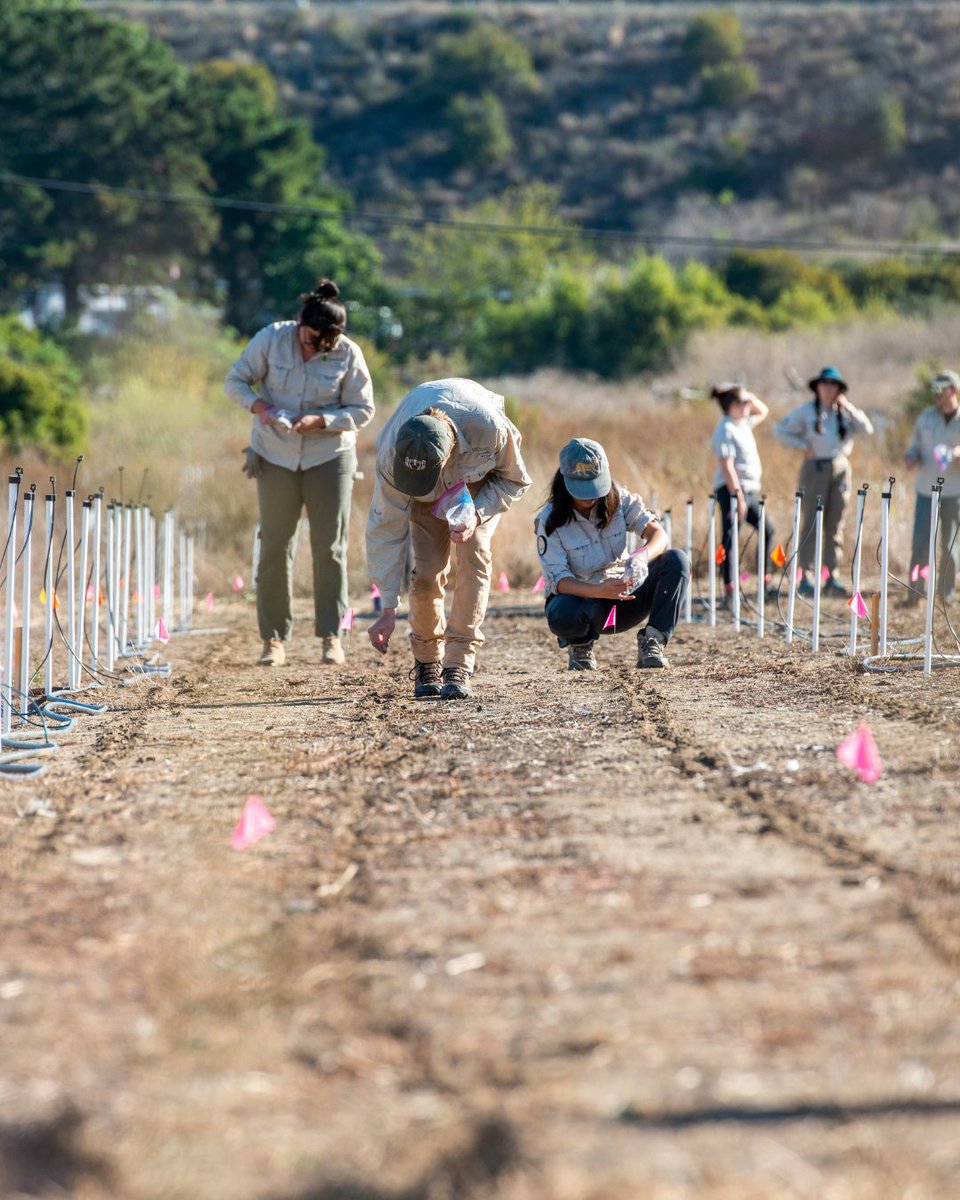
252 463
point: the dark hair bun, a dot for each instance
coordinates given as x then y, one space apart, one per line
326 289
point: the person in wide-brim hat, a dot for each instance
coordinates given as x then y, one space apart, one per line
828 375
823 428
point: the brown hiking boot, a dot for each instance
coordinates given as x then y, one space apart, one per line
456 684
273 655
427 680
333 652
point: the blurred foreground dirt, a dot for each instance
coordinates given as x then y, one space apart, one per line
592 937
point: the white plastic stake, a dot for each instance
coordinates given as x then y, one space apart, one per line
111 590
734 564
73 677
792 565
931 577
818 577
884 562
668 524
857 558
7 689
85 514
97 540
125 588
50 502
25 600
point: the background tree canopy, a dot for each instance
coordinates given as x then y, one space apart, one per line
85 98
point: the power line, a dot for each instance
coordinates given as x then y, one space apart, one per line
492 228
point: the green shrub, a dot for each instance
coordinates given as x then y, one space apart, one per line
479 130
481 59
38 392
800 305
714 37
905 286
34 412
765 275
728 84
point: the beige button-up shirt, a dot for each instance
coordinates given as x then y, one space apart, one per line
798 429
335 383
933 429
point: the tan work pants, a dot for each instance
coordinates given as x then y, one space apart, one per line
828 479
434 638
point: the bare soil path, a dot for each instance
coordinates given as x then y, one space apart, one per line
624 935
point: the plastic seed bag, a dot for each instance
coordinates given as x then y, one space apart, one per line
456 507
635 569
279 418
943 456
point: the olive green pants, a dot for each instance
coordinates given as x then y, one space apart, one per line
325 492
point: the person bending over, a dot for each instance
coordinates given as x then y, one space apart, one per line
448 467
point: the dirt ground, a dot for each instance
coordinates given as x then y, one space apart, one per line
609 936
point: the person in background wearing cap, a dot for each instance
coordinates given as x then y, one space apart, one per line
823 429
738 464
582 544
935 449
442 434
315 392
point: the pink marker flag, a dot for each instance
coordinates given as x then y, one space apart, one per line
799 574
824 574
856 605
859 752
540 585
238 583
611 621
914 573
924 572
156 591
90 592
346 621
503 583
374 592
160 633
209 602
744 576
255 822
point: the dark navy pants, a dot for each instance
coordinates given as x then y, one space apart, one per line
658 600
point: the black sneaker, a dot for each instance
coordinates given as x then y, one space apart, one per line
805 587
456 684
426 680
581 658
650 652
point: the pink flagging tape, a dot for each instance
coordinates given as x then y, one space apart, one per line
255 822
859 752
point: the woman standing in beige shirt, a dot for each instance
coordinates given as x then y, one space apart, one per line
315 392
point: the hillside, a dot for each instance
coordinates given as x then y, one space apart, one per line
851 130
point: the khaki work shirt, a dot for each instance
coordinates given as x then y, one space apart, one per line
486 456
335 383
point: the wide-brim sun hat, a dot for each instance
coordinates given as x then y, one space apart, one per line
828 375
585 470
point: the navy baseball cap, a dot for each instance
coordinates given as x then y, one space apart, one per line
585 470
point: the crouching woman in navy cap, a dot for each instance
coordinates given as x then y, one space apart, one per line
592 584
